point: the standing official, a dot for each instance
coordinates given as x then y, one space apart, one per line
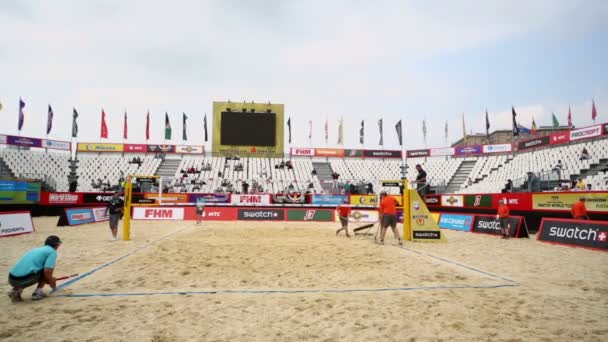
502 215
387 213
116 209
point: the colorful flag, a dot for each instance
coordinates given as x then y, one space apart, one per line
326 131
399 132
340 132
515 127
533 126
424 130
362 133
555 122
104 127
74 123
167 127
487 125
569 117
148 126
523 130
184 134
464 131
205 126
49 121
381 142
124 127
288 128
593 110
21 115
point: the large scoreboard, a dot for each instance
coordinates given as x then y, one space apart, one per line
248 128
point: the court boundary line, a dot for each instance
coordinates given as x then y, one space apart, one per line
511 283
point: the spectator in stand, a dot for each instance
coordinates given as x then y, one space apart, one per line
580 185
420 181
469 182
343 212
585 154
245 187
588 187
502 215
219 174
578 210
508 187
314 172
558 169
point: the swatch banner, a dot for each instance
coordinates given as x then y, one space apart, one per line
440 152
23 141
56 145
559 138
542 141
209 198
417 153
475 149
99 147
581 233
497 148
381 154
329 152
302 152
488 224
584 133
161 148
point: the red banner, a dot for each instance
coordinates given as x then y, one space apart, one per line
212 214
559 138
139 148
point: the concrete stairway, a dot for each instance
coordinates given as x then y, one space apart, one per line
324 172
460 176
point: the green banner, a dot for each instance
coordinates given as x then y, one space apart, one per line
478 201
353 153
309 215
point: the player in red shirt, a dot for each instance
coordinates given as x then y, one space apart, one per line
502 215
343 212
387 213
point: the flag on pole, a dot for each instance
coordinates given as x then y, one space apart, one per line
523 130
515 127
533 129
381 142
49 121
0 106
362 133
593 111
104 127
569 117
424 130
21 115
125 129
184 134
74 123
555 122
399 132
464 131
205 125
487 125
148 126
289 129
446 131
340 132
326 131
167 127
310 130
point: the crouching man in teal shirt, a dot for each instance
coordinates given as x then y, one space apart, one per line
35 267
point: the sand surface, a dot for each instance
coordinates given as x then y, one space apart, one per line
259 281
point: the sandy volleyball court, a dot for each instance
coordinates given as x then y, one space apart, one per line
298 282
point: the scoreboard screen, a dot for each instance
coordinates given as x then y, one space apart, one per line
248 129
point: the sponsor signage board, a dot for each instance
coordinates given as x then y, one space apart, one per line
261 214
562 201
56 144
329 199
581 233
353 153
19 192
302 151
432 200
559 138
363 200
422 224
497 148
515 201
392 184
188 149
209 198
138 148
54 198
488 224
250 199
533 143
211 214
382 153
584 133
289 198
3 139
362 216
157 213
161 148
168 198
462 150
100 214
417 153
23 141
456 221
329 152
310 215
96 198
99 147
478 201
78 216
15 223
452 200
444 151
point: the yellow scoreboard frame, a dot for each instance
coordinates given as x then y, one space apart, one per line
259 108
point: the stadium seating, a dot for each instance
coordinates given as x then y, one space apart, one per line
50 166
109 168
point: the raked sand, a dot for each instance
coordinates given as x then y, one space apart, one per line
259 281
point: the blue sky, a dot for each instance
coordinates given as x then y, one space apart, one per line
358 60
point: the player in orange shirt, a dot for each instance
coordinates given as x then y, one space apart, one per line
388 216
502 215
343 213
579 211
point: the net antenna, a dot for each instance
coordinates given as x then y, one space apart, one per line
129 200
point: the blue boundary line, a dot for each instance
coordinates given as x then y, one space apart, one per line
511 283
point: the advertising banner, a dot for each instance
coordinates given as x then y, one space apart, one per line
329 199
605 129
497 148
99 147
261 214
488 224
96 197
515 201
3 139
161 148
59 198
289 198
562 201
209 198
464 150
456 221
417 153
432 200
382 154
186 149
302 151
168 198
100 214
586 234
250 199
15 223
78 216
584 133
212 214
423 226
444 151
478 201
136 148
452 200
56 144
23 141
318 215
353 153
364 200
559 138
538 142
363 216
156 213
329 152
19 192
